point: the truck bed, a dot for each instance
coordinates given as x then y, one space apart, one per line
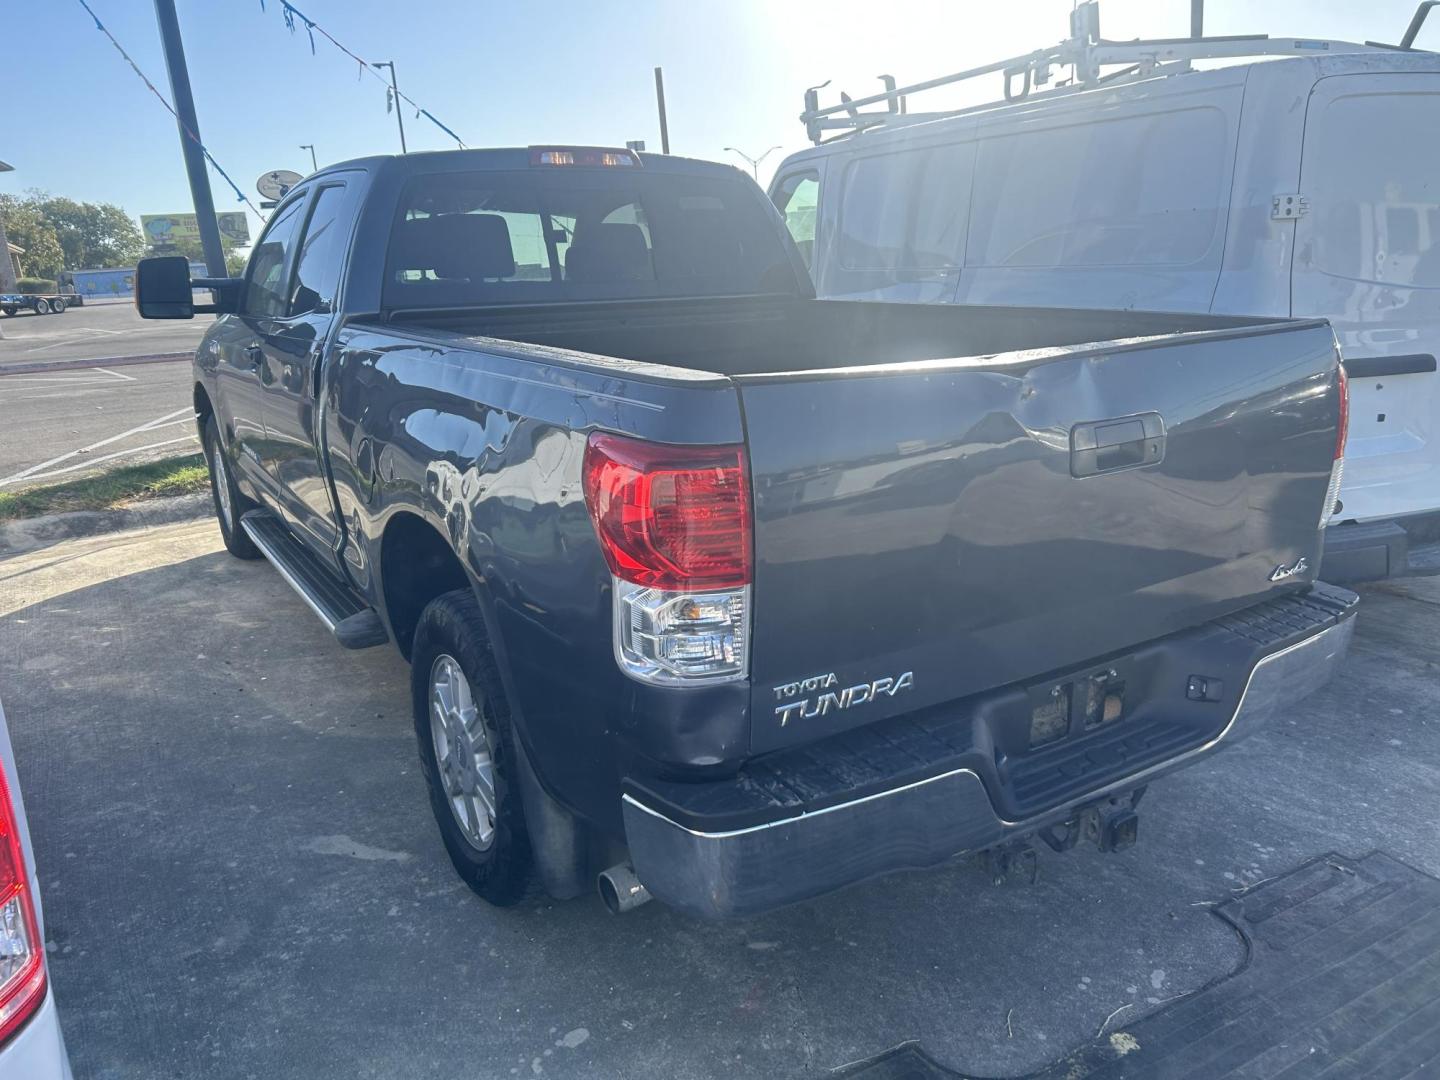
936 492
781 335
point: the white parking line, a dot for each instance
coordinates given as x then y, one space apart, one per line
88 462
117 374
160 421
78 377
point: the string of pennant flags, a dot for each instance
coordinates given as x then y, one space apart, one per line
295 18
240 195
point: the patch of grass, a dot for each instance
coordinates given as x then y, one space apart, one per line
172 476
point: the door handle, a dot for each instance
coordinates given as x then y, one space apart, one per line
255 355
1125 442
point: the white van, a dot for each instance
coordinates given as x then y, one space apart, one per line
1306 186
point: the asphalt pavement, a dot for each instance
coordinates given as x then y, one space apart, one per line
96 331
91 389
242 878
61 425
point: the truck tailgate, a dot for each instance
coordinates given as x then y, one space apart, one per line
927 531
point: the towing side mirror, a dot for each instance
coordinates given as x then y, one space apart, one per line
165 290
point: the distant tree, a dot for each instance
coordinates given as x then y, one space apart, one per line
92 235
234 260
26 226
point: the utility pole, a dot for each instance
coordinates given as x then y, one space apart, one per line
1197 18
314 166
395 92
190 138
660 103
754 161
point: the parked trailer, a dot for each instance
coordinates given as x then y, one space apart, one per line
39 303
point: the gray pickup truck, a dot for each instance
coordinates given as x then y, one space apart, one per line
722 594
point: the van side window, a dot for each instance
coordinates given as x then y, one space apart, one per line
796 197
906 210
1134 191
1372 186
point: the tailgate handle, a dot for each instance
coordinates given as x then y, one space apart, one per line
1124 442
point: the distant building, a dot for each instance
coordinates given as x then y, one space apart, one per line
116 282
119 281
14 251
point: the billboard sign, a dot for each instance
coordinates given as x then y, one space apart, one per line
163 230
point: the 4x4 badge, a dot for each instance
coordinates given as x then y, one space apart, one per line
1281 572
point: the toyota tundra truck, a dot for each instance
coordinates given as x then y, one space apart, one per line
722 594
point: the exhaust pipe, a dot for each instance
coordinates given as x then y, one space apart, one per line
621 889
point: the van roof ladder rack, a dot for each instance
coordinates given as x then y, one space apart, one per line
1088 54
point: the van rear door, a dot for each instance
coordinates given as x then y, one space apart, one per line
1367 257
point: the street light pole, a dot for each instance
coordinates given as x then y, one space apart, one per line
314 166
660 107
190 138
395 91
754 161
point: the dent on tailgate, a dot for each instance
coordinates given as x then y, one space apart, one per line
928 533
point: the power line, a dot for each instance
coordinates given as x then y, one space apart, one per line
171 110
291 13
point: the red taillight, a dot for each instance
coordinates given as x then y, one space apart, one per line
670 517
22 954
1344 431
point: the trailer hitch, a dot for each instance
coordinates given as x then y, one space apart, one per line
1111 826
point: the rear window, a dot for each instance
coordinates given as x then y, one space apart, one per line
1371 182
547 234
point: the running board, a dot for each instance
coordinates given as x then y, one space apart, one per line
354 623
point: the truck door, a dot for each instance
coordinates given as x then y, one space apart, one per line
1367 257
239 356
293 346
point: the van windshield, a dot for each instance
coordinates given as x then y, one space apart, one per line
541 235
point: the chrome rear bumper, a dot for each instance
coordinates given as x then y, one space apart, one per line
753 869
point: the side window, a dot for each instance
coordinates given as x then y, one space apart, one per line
322 252
1136 191
265 291
906 210
796 197
1372 188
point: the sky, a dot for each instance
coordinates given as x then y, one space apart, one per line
81 123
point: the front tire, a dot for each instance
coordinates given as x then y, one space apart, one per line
467 749
230 505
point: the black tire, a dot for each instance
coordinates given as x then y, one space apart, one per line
42 306
9 309
452 626
58 306
237 540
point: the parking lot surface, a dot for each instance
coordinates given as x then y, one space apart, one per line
62 425
96 329
242 878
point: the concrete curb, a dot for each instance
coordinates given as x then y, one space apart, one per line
39 367
31 533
